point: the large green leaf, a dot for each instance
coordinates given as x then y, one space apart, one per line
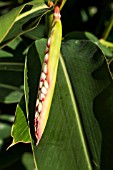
63 145
82 58
17 22
84 61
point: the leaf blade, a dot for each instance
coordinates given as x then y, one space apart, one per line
85 62
16 22
51 143
20 129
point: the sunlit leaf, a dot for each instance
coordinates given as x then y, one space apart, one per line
20 129
17 21
81 63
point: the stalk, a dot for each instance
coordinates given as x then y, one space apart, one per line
108 28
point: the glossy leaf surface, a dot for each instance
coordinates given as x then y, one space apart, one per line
62 98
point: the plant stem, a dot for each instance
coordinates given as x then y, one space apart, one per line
108 28
48 20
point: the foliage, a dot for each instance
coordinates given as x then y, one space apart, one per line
78 134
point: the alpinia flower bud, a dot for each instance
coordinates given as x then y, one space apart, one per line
44 90
43 77
48 42
47 50
40 107
46 84
41 97
44 68
48 76
46 57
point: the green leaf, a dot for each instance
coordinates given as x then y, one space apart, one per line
17 22
7 20
62 145
37 33
5 54
84 61
63 141
20 129
89 36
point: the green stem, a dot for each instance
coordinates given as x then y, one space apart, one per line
48 20
108 28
